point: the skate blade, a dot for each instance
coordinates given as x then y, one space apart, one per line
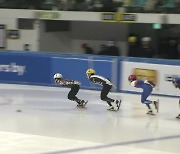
157 107
112 109
85 103
150 113
119 104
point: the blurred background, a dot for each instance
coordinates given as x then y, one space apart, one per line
69 36
101 27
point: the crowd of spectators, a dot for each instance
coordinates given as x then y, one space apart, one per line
158 6
109 49
166 48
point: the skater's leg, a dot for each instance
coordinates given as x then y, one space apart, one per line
113 104
72 93
72 96
104 92
146 92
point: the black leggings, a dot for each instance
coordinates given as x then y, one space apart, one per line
72 93
104 92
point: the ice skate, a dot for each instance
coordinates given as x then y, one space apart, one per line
156 105
118 104
178 117
111 108
150 112
82 103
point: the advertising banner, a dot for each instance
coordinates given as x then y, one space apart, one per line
118 17
159 74
24 68
2 36
48 15
39 69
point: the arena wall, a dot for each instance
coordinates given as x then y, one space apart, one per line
39 68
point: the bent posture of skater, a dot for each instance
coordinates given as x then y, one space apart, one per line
74 85
147 87
114 105
176 83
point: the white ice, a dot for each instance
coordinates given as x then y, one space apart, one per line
51 124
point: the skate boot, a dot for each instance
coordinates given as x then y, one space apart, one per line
156 105
178 117
82 103
111 108
118 104
150 112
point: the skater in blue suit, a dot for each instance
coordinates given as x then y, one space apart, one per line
176 83
147 87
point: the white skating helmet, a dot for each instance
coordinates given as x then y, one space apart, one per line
58 76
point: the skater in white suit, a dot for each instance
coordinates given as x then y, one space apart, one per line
74 85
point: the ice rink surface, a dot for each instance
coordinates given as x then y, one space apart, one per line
51 124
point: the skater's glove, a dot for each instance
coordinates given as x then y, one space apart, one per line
134 83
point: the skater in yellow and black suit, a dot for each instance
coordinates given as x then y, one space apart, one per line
107 85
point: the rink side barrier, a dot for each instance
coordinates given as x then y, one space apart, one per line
157 70
38 68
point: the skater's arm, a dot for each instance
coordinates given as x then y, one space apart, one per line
97 80
61 82
67 82
100 80
72 82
